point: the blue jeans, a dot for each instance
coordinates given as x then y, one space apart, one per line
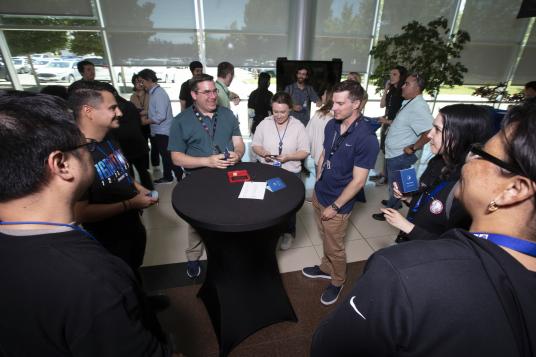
393 164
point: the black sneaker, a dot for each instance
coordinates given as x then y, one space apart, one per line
379 216
163 180
315 273
330 295
193 270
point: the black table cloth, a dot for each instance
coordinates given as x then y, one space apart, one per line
242 291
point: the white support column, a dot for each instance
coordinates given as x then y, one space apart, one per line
106 45
302 18
9 64
200 27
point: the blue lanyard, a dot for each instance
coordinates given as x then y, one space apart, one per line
519 245
429 196
72 226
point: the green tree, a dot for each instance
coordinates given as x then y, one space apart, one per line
427 50
83 43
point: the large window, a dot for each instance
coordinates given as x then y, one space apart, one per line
495 38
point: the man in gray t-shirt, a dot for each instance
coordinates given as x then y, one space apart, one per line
407 134
302 96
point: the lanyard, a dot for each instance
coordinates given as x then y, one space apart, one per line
405 105
72 226
519 245
429 196
281 137
337 141
207 130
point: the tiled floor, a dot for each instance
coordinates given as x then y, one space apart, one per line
167 232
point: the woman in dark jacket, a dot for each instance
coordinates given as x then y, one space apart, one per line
433 209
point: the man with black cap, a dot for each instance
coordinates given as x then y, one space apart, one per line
185 97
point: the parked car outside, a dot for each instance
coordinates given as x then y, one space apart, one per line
21 65
59 71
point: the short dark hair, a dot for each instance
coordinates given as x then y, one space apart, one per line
58 91
282 98
225 68
198 79
421 82
80 65
87 92
263 81
355 91
31 127
194 65
301 67
148 75
531 84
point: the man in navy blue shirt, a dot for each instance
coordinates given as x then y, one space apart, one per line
350 150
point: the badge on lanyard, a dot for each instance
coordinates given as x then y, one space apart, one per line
436 207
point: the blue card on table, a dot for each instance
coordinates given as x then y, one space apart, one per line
275 184
406 180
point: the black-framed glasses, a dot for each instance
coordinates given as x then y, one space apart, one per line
90 144
477 150
208 92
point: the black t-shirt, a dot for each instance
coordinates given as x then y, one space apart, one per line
393 102
261 102
185 93
112 184
455 296
64 295
431 218
129 135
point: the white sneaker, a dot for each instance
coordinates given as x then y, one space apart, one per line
286 241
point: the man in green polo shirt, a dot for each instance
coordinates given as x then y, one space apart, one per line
198 138
224 80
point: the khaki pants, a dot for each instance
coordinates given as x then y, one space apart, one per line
195 245
332 233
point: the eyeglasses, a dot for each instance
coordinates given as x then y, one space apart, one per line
477 150
91 145
208 92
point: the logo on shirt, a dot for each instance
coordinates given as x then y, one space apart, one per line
355 308
112 168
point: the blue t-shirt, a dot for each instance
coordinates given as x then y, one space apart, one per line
359 148
302 97
188 135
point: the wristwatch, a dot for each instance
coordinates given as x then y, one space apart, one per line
335 207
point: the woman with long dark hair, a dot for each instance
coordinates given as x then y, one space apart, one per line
469 293
433 209
260 100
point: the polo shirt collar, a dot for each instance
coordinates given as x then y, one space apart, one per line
151 91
